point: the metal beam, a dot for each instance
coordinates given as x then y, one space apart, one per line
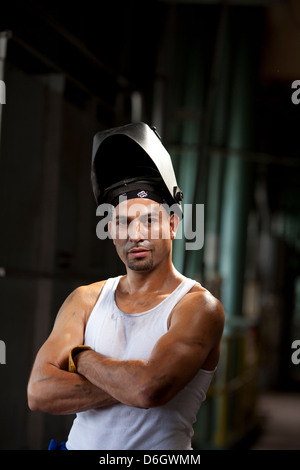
58 69
249 3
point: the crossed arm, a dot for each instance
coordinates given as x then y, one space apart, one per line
192 342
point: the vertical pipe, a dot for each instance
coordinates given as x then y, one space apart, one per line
213 204
47 243
237 186
4 36
200 174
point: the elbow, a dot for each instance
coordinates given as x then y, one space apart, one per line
151 397
33 404
32 398
35 398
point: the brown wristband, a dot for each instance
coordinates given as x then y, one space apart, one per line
73 352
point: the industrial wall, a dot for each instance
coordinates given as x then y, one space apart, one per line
219 81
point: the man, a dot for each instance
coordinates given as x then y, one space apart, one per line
149 341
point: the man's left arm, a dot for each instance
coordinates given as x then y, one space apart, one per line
193 341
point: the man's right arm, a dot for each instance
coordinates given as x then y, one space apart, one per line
51 388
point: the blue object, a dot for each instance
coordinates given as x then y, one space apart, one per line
54 446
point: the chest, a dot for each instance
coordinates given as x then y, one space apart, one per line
124 336
138 303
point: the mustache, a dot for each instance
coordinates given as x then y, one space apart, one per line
145 245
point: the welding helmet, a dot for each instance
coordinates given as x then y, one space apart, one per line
132 160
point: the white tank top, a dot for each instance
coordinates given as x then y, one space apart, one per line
116 334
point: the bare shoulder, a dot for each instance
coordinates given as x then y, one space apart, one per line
205 301
81 301
88 294
200 306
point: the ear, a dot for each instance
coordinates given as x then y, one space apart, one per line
174 223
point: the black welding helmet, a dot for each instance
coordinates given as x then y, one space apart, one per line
132 159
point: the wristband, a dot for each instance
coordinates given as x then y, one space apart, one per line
73 352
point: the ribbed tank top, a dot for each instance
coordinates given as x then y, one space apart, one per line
116 334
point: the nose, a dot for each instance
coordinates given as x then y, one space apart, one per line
135 231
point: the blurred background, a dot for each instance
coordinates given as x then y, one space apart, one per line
215 78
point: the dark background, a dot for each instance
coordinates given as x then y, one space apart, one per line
216 79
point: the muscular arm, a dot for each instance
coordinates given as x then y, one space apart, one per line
51 388
192 342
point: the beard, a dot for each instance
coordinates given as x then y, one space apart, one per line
140 264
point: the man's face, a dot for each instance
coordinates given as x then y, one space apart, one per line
142 232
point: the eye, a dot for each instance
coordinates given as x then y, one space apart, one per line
121 221
152 220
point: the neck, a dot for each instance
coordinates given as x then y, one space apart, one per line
159 278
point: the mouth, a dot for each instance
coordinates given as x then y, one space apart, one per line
138 252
